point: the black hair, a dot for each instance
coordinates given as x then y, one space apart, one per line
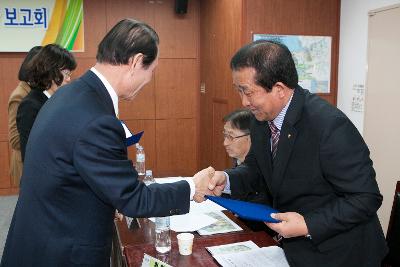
46 66
240 119
272 61
126 39
23 73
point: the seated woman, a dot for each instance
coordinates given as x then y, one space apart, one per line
50 69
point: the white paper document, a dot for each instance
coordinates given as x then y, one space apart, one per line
190 222
204 207
232 248
222 225
267 256
196 218
149 261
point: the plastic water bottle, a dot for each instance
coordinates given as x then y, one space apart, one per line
140 160
163 237
148 178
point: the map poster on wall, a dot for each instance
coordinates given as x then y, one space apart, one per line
312 56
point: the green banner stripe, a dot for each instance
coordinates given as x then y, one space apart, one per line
72 21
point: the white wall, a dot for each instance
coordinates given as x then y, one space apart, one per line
353 52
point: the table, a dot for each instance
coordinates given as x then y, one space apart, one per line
129 246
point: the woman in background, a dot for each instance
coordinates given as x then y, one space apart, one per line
13 103
50 69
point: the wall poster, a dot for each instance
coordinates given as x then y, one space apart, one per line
312 56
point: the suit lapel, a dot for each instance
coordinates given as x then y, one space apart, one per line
95 83
262 137
287 139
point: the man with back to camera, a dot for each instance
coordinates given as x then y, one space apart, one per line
315 164
76 169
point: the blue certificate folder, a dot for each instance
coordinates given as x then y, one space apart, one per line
133 139
246 210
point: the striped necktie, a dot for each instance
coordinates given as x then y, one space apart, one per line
274 138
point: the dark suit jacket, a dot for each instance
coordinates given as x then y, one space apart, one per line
323 171
26 115
251 190
76 173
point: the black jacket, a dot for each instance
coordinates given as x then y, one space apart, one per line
26 115
323 171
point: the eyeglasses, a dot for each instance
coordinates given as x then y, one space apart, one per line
231 138
66 73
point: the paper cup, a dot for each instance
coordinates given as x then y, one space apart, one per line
185 243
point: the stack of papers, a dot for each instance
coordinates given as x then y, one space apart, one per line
222 225
232 248
190 222
248 254
200 216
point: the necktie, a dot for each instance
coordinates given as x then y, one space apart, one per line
274 138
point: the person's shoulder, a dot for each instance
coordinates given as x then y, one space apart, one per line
19 92
320 116
101 128
32 100
318 108
78 88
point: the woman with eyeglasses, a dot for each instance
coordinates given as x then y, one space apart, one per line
50 69
15 99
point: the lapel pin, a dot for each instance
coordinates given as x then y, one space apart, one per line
289 135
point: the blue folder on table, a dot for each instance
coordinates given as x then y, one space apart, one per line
246 210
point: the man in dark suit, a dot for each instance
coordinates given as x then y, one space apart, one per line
76 169
313 160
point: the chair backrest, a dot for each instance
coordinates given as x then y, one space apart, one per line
393 233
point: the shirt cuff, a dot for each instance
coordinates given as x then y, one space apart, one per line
192 187
227 189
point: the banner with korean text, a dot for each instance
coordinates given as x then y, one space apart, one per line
27 23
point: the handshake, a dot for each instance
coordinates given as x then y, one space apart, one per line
208 182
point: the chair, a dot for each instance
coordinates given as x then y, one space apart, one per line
393 233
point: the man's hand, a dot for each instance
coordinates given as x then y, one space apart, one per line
292 224
217 183
201 181
118 216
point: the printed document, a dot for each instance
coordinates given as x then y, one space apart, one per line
267 256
